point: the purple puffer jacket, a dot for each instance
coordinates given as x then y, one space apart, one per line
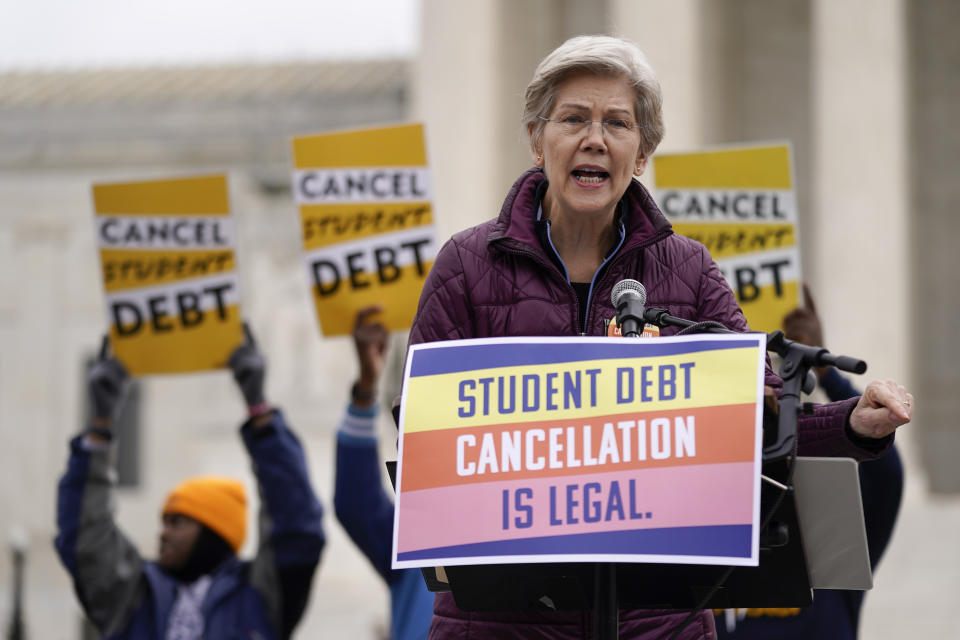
496 279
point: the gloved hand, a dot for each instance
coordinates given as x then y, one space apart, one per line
249 370
107 381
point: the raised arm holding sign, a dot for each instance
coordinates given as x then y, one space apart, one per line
198 585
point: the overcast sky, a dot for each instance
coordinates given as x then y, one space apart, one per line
84 33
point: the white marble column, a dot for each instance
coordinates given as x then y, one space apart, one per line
671 34
455 92
861 245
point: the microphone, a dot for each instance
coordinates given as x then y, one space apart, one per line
628 297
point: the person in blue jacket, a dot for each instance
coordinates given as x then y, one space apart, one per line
360 501
834 614
197 587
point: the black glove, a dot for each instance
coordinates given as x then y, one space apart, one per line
107 381
249 369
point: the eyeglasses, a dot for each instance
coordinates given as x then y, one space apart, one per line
573 125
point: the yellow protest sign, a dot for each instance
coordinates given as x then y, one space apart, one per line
366 219
167 253
740 203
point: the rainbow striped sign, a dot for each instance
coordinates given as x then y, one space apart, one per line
518 450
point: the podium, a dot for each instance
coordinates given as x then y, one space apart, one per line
784 578
781 578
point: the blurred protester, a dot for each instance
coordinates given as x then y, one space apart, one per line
362 505
834 614
197 587
569 229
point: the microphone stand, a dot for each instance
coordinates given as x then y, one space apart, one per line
606 622
798 359
606 612
606 615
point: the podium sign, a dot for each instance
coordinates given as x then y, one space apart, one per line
367 222
740 203
167 252
518 450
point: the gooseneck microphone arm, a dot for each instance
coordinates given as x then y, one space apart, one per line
662 318
811 356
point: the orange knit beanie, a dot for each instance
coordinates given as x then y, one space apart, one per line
220 503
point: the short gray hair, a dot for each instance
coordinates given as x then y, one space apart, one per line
602 55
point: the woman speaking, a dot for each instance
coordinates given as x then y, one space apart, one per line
572 227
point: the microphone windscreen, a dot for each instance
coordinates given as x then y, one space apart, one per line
628 286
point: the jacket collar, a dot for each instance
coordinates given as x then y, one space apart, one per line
642 218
